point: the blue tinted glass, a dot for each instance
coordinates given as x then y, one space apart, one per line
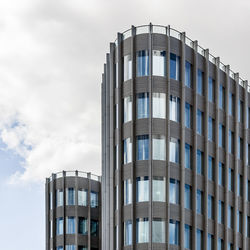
200 77
128 233
142 63
142 147
229 217
221 97
188 196
210 242
94 227
230 179
173 232
230 141
70 225
187 115
199 243
220 212
187 156
199 119
210 206
188 74
187 237
230 104
210 128
174 67
199 202
142 105
174 187
199 162
220 244
239 148
211 89
221 135
210 168
221 174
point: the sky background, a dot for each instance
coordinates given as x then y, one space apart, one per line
51 62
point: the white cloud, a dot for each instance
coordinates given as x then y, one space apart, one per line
51 61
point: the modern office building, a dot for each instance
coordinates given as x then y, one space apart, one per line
175 139
73 211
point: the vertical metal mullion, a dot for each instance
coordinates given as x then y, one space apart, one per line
236 133
167 134
182 149
194 179
244 205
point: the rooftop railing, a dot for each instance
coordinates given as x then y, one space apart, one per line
74 174
159 29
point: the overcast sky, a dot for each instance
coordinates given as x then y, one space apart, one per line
51 62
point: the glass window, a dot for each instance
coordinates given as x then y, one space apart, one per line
221 212
210 205
127 233
230 217
127 153
142 63
230 246
222 97
239 221
174 67
82 248
174 149
200 81
199 120
159 63
210 128
211 89
199 202
83 226
240 111
199 239
142 147
240 148
188 74
142 105
188 115
187 237
188 156
159 105
174 108
59 226
220 244
210 242
94 228
127 63
59 248
174 191
199 162
70 225
230 104
82 197
59 197
127 109
221 174
159 189
70 247
70 196
116 115
188 196
51 229
221 136
240 185
174 228
50 200
230 179
142 230
230 142
158 230
159 147
210 168
127 192
248 226
142 189
93 199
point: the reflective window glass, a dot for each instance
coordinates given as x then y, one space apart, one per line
159 105
159 147
127 153
127 63
127 192
174 108
142 230
159 189
83 225
142 147
158 230
127 109
159 63
142 63
142 105
174 149
174 67
142 189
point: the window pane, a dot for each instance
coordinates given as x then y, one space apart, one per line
142 189
199 120
210 128
82 197
173 232
174 146
199 239
142 63
222 97
210 168
199 201
142 147
127 154
174 189
188 156
174 108
188 74
211 89
230 180
142 230
159 63
94 227
187 237
188 196
199 162
221 136
159 147
221 212
159 189
127 62
59 226
174 67
127 109
83 226
128 233
221 174
188 115
230 142
142 105
59 197
220 244
94 199
127 192
230 104
159 105
158 231
210 242
70 247
70 196
230 217
210 207
200 80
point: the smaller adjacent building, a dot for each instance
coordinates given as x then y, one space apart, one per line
73 211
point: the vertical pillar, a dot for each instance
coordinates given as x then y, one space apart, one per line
89 211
